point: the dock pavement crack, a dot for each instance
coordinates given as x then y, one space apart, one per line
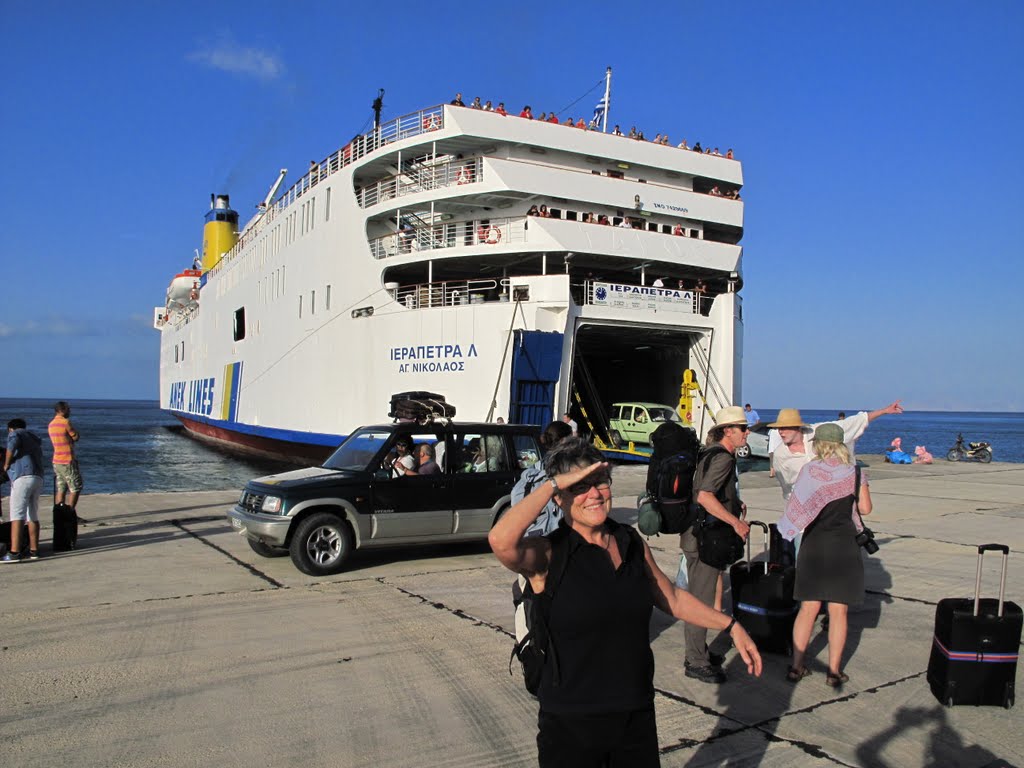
179 524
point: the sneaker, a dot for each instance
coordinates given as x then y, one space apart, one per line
10 557
33 554
704 674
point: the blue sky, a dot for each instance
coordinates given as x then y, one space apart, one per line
881 145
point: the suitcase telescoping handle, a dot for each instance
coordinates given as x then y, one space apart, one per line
750 560
1002 579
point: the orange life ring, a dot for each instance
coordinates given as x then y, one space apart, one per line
493 236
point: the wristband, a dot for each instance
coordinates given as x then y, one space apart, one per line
554 484
731 624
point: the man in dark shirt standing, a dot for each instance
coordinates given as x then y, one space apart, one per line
457 101
715 489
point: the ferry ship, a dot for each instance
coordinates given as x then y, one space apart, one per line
524 269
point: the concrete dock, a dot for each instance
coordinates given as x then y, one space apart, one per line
165 641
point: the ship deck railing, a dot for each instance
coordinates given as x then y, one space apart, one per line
422 121
450 234
450 293
424 179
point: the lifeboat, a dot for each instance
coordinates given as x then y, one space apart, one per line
181 287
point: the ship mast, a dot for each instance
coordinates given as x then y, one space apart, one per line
378 105
607 97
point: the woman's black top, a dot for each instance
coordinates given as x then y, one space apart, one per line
829 565
599 623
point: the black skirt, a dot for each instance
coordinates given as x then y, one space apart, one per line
829 566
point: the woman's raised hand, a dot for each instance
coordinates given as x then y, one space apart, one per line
567 479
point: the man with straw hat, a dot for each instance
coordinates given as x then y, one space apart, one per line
715 488
793 448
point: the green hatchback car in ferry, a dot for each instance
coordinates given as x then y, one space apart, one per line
634 422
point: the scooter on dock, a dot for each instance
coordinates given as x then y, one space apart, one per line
979 451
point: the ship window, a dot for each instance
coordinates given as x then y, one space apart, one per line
239 325
596 173
327 298
570 216
312 214
615 174
327 208
556 213
666 228
175 353
300 305
183 351
312 302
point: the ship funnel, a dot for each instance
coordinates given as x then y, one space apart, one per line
220 233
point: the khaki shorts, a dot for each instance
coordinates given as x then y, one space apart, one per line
68 477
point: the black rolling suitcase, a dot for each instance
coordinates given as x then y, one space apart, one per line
420 407
65 528
762 599
975 647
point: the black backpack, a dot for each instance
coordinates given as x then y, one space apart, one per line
670 479
535 647
718 545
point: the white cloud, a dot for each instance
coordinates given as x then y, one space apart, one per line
228 56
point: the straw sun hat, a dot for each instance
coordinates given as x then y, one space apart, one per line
788 417
730 416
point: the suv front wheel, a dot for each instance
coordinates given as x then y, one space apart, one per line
321 544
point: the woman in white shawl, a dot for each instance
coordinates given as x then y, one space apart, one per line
824 506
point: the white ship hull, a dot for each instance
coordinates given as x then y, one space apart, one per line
339 312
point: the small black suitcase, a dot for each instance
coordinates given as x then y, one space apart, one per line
65 528
762 599
975 647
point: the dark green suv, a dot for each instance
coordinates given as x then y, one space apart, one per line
363 497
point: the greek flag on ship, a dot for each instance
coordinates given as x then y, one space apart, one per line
599 111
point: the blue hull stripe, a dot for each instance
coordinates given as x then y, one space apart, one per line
320 439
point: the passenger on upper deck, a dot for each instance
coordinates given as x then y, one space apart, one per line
533 211
679 230
696 147
569 122
457 101
729 154
602 219
657 138
476 104
501 108
682 144
527 113
616 131
488 107
632 132
625 223
581 123
553 118
543 117
544 213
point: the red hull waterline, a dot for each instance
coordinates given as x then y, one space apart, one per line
253 445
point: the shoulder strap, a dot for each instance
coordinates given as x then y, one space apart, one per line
559 561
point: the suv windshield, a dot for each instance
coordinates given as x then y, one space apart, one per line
358 450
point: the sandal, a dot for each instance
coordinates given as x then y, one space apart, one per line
834 681
795 675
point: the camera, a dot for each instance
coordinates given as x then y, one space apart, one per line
866 539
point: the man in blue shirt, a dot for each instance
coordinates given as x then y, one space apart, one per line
24 465
752 416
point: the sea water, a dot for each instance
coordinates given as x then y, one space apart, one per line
130 446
